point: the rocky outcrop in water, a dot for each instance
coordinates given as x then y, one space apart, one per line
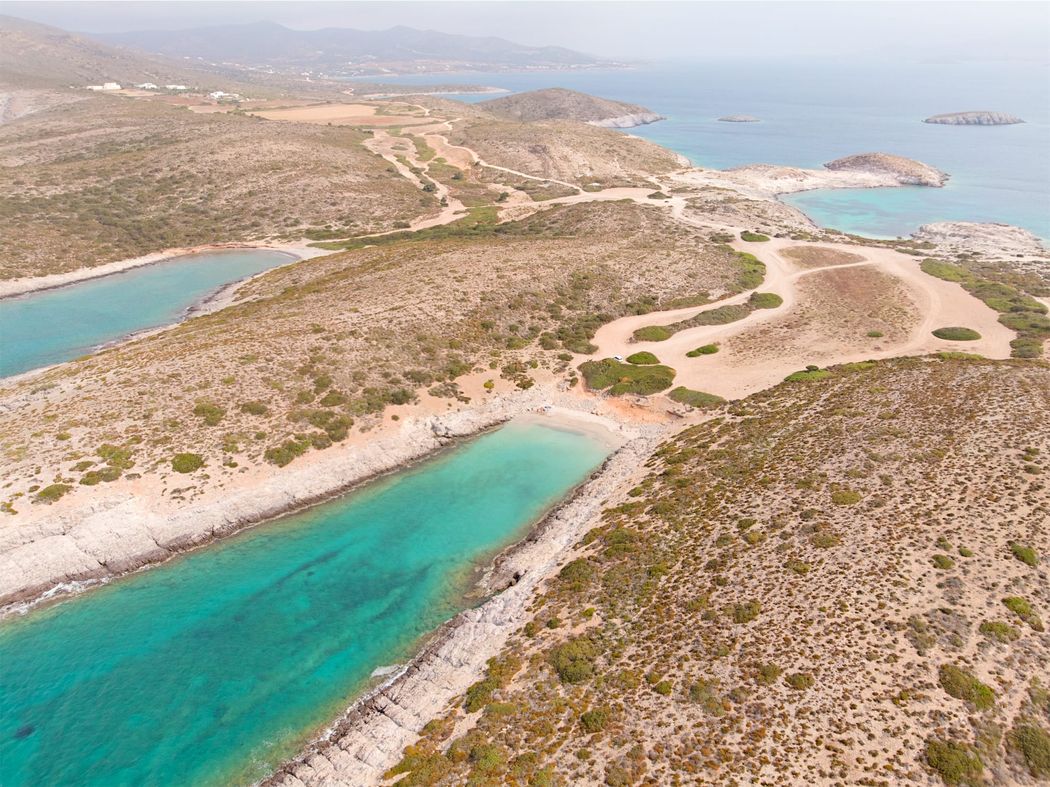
628 121
905 170
977 118
738 119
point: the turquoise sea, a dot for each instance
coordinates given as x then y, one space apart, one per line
815 112
213 667
58 325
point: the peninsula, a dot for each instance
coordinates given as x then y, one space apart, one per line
562 104
815 551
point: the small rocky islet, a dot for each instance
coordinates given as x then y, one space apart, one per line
975 118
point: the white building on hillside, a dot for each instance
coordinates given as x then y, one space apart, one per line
146 86
175 87
105 86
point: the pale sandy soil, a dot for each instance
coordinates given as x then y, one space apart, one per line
731 374
341 115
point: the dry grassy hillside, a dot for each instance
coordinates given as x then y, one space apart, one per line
321 347
838 581
568 151
558 104
107 178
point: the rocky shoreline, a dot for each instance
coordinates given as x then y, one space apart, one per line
628 121
370 737
14 287
96 540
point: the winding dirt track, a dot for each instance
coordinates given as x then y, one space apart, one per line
939 303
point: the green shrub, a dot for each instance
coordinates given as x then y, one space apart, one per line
764 300
653 333
800 681
798 566
1000 632
52 492
574 660
956 763
622 378
753 237
287 451
186 463
875 334
745 612
808 375
1026 555
209 412
707 349
943 562
642 359
595 720
1033 743
946 271
962 685
698 399
254 408
957 334
845 497
1024 611
767 673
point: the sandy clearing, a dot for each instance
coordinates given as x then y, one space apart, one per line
341 115
939 303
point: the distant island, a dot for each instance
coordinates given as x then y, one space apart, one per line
557 103
977 118
905 170
739 119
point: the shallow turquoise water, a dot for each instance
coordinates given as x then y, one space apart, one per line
813 112
212 667
58 325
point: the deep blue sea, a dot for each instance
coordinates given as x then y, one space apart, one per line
816 112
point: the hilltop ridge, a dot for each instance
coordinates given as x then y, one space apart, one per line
558 103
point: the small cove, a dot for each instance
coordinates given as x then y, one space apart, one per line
52 326
213 667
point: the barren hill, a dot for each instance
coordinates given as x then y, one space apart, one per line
557 103
343 50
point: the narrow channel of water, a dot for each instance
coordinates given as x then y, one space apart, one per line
217 665
52 326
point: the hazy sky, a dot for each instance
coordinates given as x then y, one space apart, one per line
919 30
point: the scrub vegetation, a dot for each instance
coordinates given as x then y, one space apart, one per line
317 351
725 621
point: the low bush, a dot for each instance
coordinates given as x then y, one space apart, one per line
186 463
799 681
52 492
621 378
209 412
642 359
957 334
764 300
653 333
956 763
1033 743
707 349
1025 554
698 399
254 408
573 661
753 237
962 685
